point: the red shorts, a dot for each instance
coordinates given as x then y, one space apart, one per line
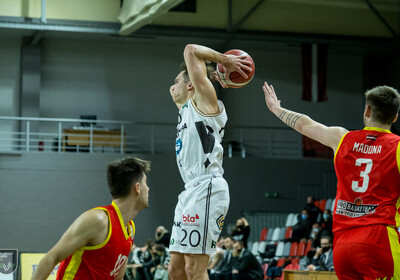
367 253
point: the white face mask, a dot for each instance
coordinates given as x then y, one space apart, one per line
315 230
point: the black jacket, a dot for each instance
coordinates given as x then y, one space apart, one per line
246 263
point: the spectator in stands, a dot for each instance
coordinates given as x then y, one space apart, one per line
223 270
133 258
245 265
216 257
162 236
143 269
326 222
313 210
323 258
241 231
302 229
315 235
161 262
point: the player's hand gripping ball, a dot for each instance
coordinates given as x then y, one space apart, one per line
235 79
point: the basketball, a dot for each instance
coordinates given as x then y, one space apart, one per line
235 79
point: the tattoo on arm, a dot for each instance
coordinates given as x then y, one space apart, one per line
291 118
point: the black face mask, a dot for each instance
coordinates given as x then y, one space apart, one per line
159 234
325 249
240 227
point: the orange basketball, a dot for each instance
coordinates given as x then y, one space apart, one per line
235 79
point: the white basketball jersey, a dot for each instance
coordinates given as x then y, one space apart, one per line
198 141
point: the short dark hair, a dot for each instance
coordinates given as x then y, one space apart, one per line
123 173
384 102
210 69
327 237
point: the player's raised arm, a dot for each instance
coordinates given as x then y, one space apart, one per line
328 136
195 58
87 229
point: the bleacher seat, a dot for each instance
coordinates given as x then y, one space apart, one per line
254 248
263 235
289 220
293 249
301 249
322 204
281 262
282 233
275 236
262 247
308 247
286 249
333 204
288 233
295 219
279 250
270 233
328 205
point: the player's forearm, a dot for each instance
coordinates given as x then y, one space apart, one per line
295 120
206 54
45 267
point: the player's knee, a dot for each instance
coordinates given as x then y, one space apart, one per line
175 271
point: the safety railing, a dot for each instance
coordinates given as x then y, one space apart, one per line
21 134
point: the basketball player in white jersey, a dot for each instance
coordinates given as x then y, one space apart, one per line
203 205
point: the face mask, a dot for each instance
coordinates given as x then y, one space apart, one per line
303 216
325 249
315 230
326 216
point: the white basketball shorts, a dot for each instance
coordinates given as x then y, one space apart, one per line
200 215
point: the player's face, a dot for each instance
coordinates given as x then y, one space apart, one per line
144 192
179 90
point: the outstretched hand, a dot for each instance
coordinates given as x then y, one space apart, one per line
270 97
237 64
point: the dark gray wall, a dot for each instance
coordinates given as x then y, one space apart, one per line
42 194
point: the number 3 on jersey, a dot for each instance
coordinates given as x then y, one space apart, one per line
363 174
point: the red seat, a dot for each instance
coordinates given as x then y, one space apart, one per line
308 247
301 249
281 262
288 233
264 233
293 249
322 204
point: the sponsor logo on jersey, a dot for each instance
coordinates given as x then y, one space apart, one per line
213 244
178 224
178 130
178 146
354 210
190 220
220 222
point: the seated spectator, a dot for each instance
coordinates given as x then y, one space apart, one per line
245 266
143 269
133 258
302 229
323 258
326 222
223 269
241 231
162 236
312 209
217 256
315 235
161 263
